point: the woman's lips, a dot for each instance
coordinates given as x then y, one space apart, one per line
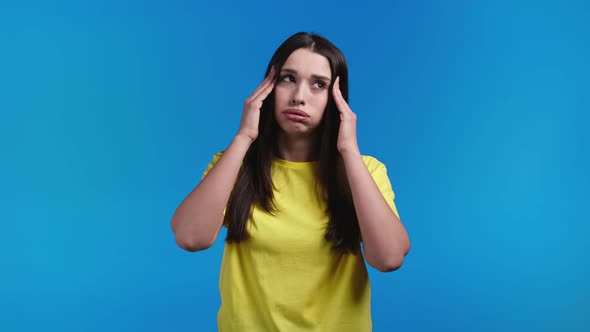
296 115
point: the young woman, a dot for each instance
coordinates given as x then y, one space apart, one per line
297 199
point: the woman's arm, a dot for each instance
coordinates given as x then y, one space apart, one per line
385 239
198 219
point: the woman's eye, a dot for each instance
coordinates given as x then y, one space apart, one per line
320 85
287 78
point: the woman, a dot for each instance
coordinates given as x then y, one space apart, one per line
297 198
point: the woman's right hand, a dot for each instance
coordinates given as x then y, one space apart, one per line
252 105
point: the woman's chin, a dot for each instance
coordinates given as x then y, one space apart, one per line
300 132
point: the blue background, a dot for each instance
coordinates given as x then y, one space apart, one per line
111 110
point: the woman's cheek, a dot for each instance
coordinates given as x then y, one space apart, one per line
280 92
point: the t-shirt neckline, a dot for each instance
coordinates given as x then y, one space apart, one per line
295 164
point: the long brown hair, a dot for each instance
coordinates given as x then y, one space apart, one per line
254 183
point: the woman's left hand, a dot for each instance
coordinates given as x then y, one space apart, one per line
347 141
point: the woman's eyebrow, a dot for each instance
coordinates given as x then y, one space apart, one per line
317 77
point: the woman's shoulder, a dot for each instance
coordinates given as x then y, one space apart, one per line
212 163
218 154
216 157
372 162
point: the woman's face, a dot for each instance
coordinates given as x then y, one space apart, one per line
301 93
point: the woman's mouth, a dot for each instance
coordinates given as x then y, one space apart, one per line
296 115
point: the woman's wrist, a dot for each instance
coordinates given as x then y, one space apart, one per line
350 152
242 140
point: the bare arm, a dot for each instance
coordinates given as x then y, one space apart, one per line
198 219
385 240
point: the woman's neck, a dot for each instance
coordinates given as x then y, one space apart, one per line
297 149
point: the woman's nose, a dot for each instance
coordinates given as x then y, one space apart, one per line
298 95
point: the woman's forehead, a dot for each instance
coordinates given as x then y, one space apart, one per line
308 63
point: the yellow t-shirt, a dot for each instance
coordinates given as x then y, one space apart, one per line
285 277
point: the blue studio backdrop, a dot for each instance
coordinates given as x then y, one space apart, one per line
111 110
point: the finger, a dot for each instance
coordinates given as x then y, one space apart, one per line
339 98
335 88
269 77
271 72
269 80
340 102
336 91
263 91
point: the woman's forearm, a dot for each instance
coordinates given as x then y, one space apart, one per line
198 219
385 239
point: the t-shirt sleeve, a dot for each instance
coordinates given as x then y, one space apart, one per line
212 163
379 173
